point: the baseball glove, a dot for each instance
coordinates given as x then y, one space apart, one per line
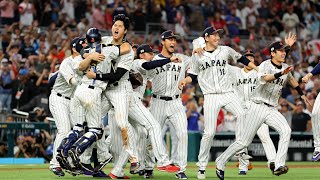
136 79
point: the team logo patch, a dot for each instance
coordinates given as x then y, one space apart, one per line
92 40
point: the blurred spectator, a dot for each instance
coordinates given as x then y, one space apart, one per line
193 116
3 149
233 23
290 19
312 20
99 19
248 15
299 118
24 89
7 11
293 96
284 110
27 11
196 21
139 16
6 82
218 22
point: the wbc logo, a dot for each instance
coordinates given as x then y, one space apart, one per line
92 40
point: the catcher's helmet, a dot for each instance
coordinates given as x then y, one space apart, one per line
93 37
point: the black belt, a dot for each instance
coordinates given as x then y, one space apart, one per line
60 95
268 105
91 87
165 97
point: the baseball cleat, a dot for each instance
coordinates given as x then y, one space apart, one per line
148 174
74 171
171 168
87 169
112 176
134 168
272 167
57 171
242 173
181 175
250 166
141 172
281 170
100 174
63 162
220 174
316 156
201 174
101 165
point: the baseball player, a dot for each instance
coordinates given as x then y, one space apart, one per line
59 100
272 76
244 83
213 76
166 103
315 115
140 115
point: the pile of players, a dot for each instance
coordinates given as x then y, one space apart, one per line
102 78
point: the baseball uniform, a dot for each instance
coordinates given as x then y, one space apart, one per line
262 109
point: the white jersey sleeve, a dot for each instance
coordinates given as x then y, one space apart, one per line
233 55
194 68
66 70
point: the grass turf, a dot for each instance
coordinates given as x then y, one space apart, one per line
297 170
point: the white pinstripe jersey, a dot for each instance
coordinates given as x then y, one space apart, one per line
243 83
137 68
66 72
212 71
269 92
165 79
102 67
124 61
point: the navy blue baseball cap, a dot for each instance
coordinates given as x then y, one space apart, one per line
276 46
169 34
211 30
77 43
248 52
143 48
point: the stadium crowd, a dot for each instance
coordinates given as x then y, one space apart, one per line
35 38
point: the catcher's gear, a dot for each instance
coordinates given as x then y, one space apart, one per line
93 37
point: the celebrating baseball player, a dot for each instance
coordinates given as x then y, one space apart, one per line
315 115
244 83
166 103
212 72
272 76
61 94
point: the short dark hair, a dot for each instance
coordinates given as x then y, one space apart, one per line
123 18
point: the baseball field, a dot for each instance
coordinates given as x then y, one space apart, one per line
297 170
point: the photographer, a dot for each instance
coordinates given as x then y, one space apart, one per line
42 140
24 147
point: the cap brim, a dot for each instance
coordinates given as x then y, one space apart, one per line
249 54
174 36
220 31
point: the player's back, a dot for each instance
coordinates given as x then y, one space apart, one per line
66 72
269 92
243 83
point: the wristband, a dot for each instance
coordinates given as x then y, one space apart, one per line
277 75
299 90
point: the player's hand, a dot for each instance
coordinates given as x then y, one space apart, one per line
306 100
290 39
182 84
287 70
90 74
175 59
97 56
199 51
306 78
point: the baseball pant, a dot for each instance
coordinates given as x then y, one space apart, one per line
175 112
257 114
60 109
316 123
212 105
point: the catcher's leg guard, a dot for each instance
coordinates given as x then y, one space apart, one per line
71 138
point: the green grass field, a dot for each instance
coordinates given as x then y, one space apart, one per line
297 170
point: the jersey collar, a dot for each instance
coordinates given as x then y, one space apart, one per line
277 66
